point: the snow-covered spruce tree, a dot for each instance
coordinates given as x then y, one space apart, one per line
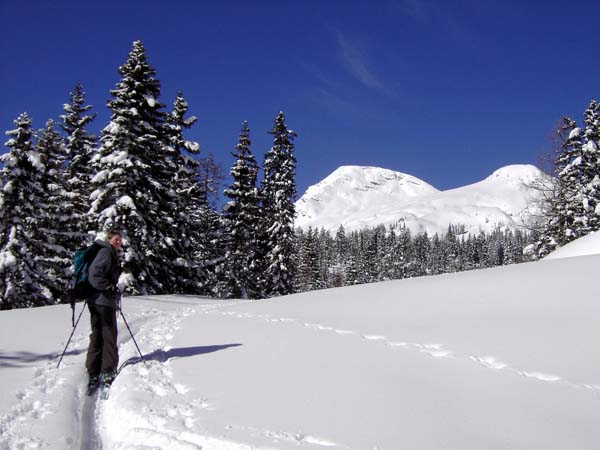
213 278
210 253
573 209
589 193
556 202
54 228
340 252
308 274
187 211
22 283
241 217
326 256
278 194
403 254
80 148
133 182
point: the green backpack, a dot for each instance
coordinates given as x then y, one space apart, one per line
79 286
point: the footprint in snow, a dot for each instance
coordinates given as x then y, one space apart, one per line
345 332
372 337
541 376
489 362
438 353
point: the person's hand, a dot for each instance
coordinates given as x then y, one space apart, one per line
114 292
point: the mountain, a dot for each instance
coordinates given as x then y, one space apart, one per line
358 197
503 358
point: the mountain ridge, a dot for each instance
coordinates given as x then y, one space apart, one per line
366 196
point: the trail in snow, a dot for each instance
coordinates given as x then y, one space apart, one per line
52 390
89 439
147 407
434 350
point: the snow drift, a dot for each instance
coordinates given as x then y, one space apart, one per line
586 245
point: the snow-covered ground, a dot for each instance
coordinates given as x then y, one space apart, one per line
358 197
504 358
587 245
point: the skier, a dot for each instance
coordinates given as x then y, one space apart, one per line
104 302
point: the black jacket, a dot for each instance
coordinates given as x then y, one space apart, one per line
103 276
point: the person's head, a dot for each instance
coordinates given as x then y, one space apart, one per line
114 239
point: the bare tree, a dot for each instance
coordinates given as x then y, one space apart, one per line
211 179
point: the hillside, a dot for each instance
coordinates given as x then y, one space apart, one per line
497 358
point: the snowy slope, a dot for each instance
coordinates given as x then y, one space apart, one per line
586 245
357 196
502 358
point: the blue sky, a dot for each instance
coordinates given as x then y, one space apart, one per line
447 91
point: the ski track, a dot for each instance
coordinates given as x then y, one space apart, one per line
169 419
89 439
49 387
434 350
35 402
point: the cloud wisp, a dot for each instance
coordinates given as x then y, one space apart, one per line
354 60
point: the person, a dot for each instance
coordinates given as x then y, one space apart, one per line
104 302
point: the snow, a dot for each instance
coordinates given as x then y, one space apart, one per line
116 158
150 100
127 202
586 245
34 158
589 147
358 197
497 358
100 177
575 132
193 146
7 259
112 128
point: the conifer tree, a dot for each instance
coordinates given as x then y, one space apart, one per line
278 194
574 208
241 216
133 188
308 274
79 148
404 252
22 284
54 226
186 204
589 191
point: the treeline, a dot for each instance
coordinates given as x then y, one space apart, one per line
60 187
381 254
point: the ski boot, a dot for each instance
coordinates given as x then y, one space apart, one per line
92 385
106 380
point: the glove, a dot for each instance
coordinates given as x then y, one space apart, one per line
114 292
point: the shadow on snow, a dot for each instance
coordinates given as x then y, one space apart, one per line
24 359
181 352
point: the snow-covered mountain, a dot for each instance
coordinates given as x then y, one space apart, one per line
502 358
357 197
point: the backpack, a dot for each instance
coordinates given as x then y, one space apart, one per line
79 286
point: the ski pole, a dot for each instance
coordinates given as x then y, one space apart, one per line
136 345
72 332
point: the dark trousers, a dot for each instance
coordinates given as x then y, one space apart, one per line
103 355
